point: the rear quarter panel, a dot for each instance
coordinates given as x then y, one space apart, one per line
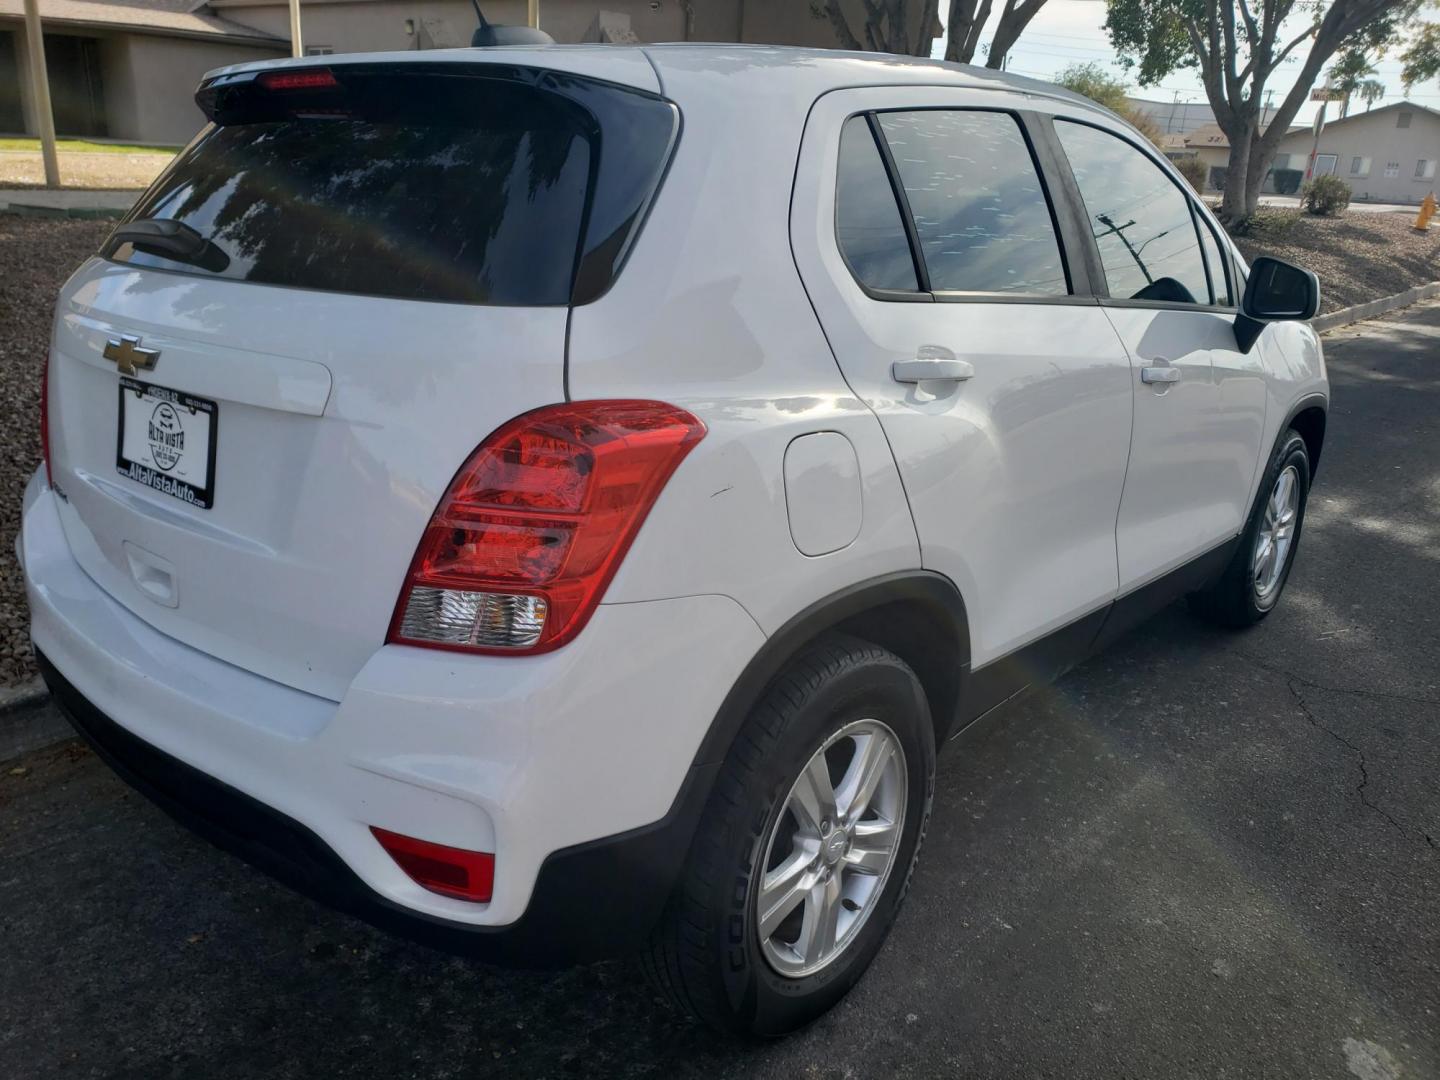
710 314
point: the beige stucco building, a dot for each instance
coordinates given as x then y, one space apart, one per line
127 69
1386 155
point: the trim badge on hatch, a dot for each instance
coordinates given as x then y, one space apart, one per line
128 356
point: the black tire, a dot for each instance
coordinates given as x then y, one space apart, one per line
1233 600
706 956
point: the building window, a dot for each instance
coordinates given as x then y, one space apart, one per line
1392 170
1360 166
1425 169
319 50
1402 120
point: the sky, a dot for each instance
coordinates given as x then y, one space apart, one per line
1066 32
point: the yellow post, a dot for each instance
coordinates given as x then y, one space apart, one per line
533 13
1427 211
40 87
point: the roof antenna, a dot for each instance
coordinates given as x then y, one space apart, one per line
487 33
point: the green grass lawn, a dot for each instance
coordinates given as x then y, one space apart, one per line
82 146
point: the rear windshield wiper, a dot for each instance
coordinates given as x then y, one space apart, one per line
169 240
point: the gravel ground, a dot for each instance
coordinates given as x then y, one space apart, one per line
21 168
1358 256
35 258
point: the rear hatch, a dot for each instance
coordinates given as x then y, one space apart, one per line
251 427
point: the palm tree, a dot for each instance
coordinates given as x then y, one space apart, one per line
1348 73
1370 91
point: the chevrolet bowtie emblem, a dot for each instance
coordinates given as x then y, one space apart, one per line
128 356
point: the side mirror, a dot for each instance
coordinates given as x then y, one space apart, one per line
1276 291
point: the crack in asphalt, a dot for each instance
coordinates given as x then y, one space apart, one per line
1412 699
1294 681
1291 684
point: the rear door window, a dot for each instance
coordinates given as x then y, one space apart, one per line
465 185
981 213
868 225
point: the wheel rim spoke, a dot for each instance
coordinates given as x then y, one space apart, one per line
814 796
822 916
784 888
872 848
857 788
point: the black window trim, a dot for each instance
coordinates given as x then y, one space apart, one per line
1072 189
1068 235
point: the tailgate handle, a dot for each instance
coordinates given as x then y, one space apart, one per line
154 576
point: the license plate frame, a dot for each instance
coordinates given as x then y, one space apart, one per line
158 459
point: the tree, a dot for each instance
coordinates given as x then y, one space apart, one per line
887 25
1370 91
1348 74
1237 45
1421 58
1014 17
1094 82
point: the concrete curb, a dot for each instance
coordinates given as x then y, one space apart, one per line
86 213
1361 312
28 721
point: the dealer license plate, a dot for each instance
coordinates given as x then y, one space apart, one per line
167 441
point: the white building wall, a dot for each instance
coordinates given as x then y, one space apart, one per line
1379 137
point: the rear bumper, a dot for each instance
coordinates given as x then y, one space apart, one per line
574 768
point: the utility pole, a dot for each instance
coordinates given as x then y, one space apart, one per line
1119 230
40 90
1174 104
296 48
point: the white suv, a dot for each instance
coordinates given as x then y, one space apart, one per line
556 501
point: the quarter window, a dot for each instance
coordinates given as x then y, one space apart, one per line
980 212
868 225
1141 220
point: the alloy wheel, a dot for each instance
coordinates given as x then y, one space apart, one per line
1277 533
832 848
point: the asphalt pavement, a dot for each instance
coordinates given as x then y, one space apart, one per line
1201 854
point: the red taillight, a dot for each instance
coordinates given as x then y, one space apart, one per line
307 79
535 524
450 871
45 421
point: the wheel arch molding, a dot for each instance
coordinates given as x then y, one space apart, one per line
1309 417
917 614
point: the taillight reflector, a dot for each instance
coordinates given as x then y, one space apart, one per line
306 79
450 871
534 525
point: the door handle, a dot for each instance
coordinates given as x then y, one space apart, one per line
1162 371
931 369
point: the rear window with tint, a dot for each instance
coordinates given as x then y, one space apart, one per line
980 211
450 185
